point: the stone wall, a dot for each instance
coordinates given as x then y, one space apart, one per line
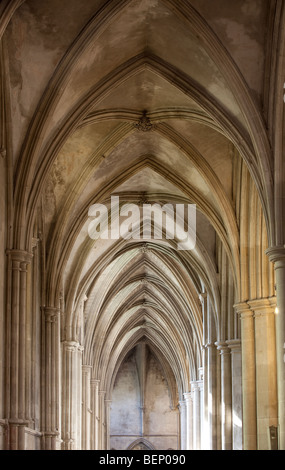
141 413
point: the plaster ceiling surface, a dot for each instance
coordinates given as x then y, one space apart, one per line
82 75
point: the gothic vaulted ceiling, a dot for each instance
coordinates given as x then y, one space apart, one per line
83 75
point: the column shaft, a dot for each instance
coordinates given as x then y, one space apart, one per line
205 424
95 414
107 407
51 411
71 395
248 377
212 396
183 425
102 424
86 407
266 370
277 256
235 347
17 379
189 421
195 392
226 396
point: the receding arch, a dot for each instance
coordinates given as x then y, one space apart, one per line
147 445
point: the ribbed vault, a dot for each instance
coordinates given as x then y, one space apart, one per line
146 101
118 293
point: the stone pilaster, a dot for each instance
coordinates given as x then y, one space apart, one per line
201 393
51 379
71 394
86 407
95 414
107 420
212 396
16 391
226 395
248 376
183 425
277 256
235 347
102 422
205 435
266 369
189 420
195 392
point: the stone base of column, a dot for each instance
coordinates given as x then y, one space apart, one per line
51 441
68 444
20 436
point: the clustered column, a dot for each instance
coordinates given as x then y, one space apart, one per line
265 355
95 414
86 406
183 425
71 395
226 396
16 386
51 379
189 421
195 390
102 422
236 369
248 376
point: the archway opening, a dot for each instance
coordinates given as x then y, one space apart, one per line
142 415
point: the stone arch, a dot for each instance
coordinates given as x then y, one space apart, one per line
141 444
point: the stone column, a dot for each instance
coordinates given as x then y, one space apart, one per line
16 342
86 407
277 256
201 393
95 414
107 420
195 392
266 369
71 396
212 396
51 379
226 396
189 420
248 376
205 435
102 423
235 347
183 424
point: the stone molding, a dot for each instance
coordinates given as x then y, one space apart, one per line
276 254
51 314
256 307
223 347
20 256
234 345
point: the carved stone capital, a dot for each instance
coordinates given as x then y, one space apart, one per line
95 382
72 346
234 345
243 310
51 314
276 254
19 258
223 347
262 307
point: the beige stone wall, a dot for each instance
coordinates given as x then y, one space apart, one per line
159 425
